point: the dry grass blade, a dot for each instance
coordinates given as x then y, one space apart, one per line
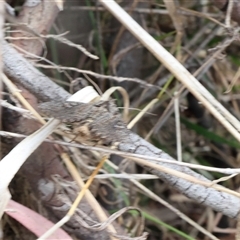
19 96
85 95
11 163
124 93
178 127
228 171
92 201
140 114
229 13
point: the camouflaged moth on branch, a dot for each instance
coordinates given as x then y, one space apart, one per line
98 122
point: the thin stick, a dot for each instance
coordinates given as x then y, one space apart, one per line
229 13
178 127
227 171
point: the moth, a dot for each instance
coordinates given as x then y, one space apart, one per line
99 122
